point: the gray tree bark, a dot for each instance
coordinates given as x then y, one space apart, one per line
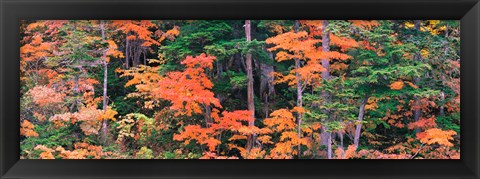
250 94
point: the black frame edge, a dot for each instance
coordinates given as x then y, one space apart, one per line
10 165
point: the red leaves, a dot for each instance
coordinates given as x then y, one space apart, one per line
423 123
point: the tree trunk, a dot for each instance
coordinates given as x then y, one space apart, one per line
208 116
326 76
250 94
137 53
127 49
266 85
329 146
359 124
105 80
299 92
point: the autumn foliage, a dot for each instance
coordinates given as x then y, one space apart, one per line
212 89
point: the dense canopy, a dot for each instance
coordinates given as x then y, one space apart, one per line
240 89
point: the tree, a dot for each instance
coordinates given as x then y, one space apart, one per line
250 95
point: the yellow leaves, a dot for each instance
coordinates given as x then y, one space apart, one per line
424 53
435 135
409 25
371 104
26 129
108 114
397 85
429 26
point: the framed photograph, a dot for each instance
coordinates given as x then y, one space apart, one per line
239 89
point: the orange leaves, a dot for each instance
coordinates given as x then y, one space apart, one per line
35 50
280 120
26 129
365 24
230 121
233 120
298 109
290 41
47 152
170 34
108 114
81 151
112 50
199 62
201 135
371 104
188 90
435 135
139 28
351 152
398 85
344 43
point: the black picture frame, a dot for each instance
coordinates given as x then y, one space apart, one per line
12 11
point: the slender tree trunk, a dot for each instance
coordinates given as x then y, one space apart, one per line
358 128
105 80
299 92
326 76
329 146
208 115
127 49
250 94
340 135
137 54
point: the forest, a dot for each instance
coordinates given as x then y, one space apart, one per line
239 89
